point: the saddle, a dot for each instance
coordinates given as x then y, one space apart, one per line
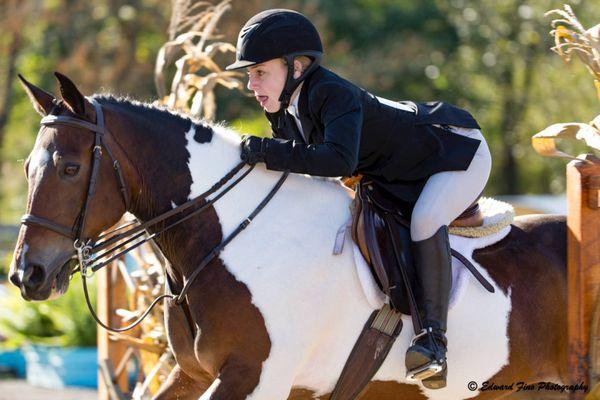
376 216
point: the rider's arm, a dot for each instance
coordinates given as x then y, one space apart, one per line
341 114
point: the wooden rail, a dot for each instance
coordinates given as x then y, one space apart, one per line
583 282
122 297
111 296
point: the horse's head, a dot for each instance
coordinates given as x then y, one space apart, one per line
59 171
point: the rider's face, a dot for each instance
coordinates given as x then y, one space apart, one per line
266 80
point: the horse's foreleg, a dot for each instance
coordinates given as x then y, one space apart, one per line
238 379
181 386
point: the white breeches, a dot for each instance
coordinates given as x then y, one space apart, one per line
447 194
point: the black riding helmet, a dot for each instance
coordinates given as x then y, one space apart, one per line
279 33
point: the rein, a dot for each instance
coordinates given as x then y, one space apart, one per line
87 251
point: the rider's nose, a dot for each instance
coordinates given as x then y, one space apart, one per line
251 84
34 276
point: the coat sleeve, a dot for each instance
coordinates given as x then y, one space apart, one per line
340 111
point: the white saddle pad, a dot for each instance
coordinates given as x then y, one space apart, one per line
496 216
460 274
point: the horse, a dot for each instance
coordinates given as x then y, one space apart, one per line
276 313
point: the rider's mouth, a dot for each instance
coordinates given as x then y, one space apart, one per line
262 100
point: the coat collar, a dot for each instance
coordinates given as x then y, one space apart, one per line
308 125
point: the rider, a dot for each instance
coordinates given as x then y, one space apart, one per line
431 155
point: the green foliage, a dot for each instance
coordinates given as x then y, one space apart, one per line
252 124
65 321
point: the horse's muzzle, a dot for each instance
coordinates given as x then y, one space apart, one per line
34 276
31 279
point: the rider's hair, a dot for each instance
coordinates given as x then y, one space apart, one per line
305 61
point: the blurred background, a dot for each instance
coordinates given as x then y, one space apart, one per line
491 57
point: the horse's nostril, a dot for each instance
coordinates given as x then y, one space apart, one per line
34 276
14 279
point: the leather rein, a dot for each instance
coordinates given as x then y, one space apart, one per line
95 254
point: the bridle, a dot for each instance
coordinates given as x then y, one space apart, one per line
99 130
93 254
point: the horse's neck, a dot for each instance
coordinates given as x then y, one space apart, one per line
177 160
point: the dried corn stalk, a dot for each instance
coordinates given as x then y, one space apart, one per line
192 32
570 38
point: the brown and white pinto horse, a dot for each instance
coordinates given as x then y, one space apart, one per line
276 314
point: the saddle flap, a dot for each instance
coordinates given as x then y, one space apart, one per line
370 231
367 229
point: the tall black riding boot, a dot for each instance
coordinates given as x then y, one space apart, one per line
426 357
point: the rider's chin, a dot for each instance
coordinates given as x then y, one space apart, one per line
272 108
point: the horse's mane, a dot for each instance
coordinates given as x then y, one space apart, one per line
150 109
153 110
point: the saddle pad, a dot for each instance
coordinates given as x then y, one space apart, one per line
376 298
460 274
497 215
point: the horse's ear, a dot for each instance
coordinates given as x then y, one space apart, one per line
70 94
42 101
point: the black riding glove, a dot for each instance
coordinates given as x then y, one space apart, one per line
252 149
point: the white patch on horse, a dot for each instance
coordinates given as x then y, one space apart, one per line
21 265
209 162
312 301
39 160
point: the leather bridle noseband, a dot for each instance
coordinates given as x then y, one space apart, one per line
93 255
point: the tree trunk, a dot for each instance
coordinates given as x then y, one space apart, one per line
8 79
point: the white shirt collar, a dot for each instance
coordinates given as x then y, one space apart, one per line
293 107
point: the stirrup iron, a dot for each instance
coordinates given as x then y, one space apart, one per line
425 371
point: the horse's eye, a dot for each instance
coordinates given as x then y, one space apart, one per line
71 169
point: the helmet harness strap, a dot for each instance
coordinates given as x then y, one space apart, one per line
291 83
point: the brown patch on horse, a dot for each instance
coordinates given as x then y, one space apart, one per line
229 339
221 333
390 390
180 386
375 390
537 324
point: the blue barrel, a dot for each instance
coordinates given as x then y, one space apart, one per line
57 367
13 361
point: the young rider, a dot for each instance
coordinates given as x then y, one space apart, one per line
431 155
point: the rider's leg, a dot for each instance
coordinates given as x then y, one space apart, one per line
445 196
426 357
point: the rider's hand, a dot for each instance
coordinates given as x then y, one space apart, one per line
252 149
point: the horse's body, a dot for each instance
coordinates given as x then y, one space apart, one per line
276 314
